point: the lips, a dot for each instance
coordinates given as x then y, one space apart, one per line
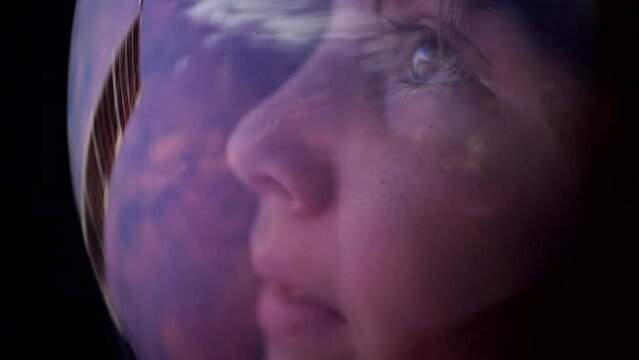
283 310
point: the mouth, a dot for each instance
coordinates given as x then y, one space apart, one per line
286 311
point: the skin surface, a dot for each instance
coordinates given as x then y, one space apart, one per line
410 212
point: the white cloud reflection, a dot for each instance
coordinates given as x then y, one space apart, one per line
287 22
280 22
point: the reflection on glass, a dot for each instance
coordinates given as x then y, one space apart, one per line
355 179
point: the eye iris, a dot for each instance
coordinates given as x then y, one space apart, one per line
425 62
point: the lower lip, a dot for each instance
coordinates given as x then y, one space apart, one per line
279 313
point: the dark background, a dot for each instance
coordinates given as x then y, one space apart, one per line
55 310
54 307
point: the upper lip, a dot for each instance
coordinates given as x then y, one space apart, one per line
275 272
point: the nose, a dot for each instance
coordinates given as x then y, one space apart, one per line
287 146
283 149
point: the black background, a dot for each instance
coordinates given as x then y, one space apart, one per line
55 310
54 307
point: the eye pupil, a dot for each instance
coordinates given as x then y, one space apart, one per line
425 62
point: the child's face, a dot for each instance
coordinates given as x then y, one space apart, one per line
398 201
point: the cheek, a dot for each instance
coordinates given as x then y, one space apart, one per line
397 245
436 228
478 153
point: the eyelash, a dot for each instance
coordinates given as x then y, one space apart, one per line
451 60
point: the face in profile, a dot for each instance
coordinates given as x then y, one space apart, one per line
411 177
355 179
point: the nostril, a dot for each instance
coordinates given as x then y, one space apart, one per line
265 185
306 190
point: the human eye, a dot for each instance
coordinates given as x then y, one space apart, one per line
428 57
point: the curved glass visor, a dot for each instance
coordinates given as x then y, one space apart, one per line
307 179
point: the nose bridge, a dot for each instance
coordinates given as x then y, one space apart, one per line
316 99
313 105
287 142
296 120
